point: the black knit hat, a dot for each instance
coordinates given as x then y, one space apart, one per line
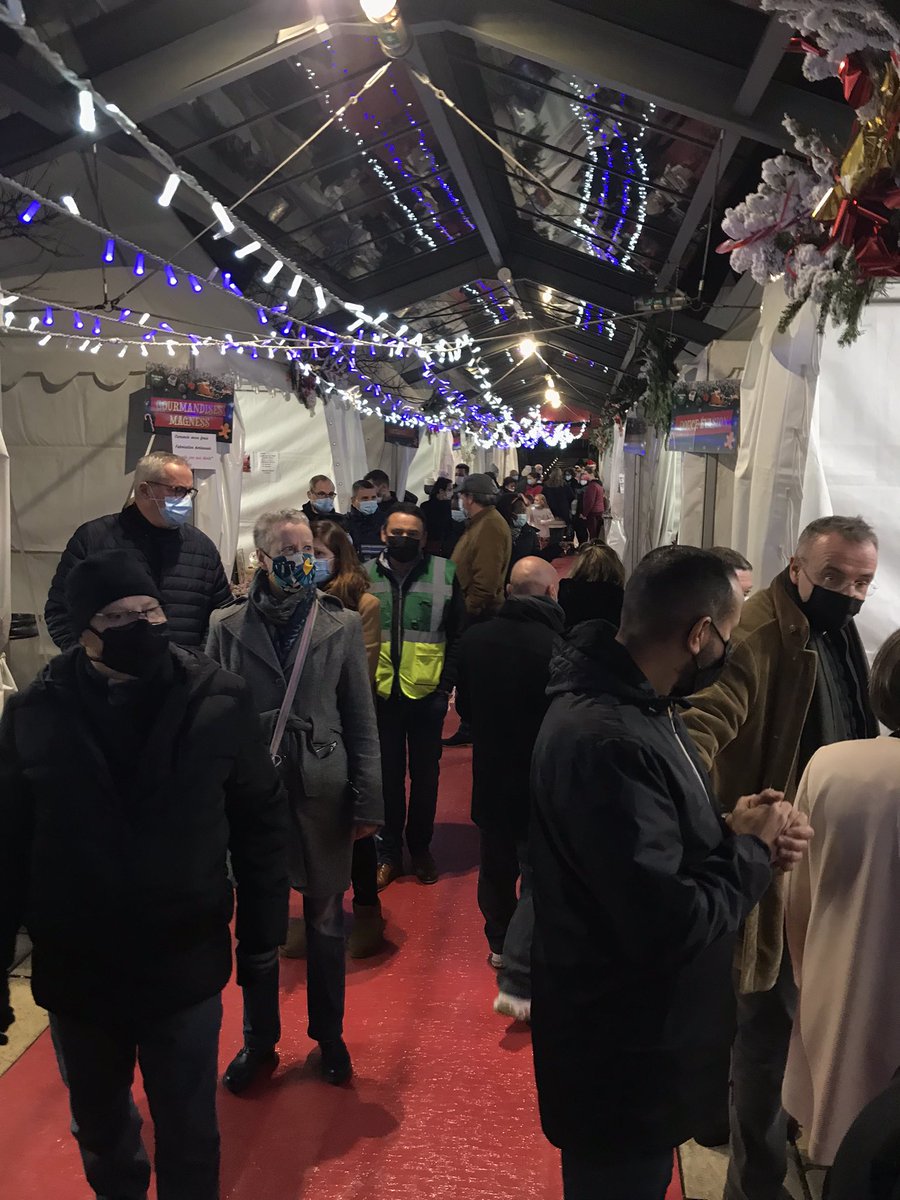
102 579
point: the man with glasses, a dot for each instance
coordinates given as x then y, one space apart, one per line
131 772
797 680
320 501
183 562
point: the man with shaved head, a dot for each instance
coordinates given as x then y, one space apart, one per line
504 666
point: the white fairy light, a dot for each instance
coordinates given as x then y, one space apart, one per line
69 203
87 117
295 286
250 248
45 339
272 272
321 302
169 190
220 213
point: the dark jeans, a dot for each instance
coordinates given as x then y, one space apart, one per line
363 874
508 914
631 1179
758 1162
413 727
325 979
178 1057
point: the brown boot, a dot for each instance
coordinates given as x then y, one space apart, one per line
295 946
367 935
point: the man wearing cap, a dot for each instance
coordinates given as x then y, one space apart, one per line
129 771
482 560
482 553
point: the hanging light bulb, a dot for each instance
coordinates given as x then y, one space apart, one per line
122 352
171 277
77 320
69 203
124 314
87 117
527 347
272 272
109 251
96 349
84 345
30 212
196 285
250 248
546 296
48 316
262 316
295 286
45 339
96 329
551 395
169 190
143 350
143 318
222 217
138 268
321 302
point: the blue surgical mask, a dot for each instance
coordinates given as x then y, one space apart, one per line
520 520
295 573
323 504
324 570
368 507
457 514
176 510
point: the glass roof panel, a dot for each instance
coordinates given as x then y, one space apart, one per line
370 190
616 174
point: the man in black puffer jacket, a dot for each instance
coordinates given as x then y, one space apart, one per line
183 562
129 772
639 884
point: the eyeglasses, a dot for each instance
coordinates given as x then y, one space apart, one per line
179 492
834 580
119 620
325 495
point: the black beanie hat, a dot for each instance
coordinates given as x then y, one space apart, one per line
102 579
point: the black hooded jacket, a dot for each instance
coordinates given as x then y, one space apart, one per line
121 876
639 891
504 665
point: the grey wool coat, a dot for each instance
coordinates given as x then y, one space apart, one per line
331 762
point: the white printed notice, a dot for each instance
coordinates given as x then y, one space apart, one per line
199 449
266 462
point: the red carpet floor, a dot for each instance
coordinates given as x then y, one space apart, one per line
443 1103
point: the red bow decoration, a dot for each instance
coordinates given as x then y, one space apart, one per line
855 80
862 224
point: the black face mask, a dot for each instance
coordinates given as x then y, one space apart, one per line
136 650
697 678
403 549
829 612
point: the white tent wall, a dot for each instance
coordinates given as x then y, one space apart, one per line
433 458
854 449
777 395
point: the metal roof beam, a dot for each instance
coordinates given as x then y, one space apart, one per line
636 60
464 150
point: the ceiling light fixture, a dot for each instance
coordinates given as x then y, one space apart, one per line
393 36
527 347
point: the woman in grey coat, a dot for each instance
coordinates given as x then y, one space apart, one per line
330 764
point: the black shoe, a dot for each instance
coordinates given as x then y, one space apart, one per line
337 1067
462 737
424 867
246 1067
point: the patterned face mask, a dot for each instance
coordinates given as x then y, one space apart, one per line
295 573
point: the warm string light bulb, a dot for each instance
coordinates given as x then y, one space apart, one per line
527 347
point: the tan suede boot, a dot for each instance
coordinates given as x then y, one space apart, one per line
295 946
367 936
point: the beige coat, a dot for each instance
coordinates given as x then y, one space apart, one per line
747 727
844 937
482 560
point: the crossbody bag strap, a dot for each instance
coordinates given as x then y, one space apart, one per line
284 713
